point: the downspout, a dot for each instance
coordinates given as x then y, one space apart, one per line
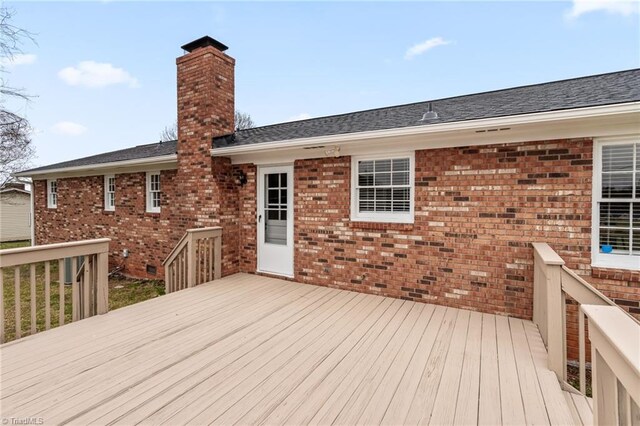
32 220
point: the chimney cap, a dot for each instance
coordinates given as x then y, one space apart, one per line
204 42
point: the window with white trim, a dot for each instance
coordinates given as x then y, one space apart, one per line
382 188
616 215
52 194
110 192
153 192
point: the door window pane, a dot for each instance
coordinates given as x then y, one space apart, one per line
275 224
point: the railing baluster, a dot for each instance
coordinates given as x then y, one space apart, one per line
1 305
47 295
217 253
86 289
582 355
17 300
32 277
61 291
75 290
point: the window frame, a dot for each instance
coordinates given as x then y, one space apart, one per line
148 192
52 202
608 260
107 206
383 217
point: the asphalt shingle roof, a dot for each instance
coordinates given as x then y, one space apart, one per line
597 90
136 153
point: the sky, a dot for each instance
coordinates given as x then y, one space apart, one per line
103 76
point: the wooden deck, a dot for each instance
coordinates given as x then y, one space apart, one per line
248 349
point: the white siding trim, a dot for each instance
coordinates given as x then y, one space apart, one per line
150 207
107 205
52 201
356 216
602 260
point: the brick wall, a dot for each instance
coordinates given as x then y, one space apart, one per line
80 215
208 195
477 210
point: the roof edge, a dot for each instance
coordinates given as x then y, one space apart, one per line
531 118
148 161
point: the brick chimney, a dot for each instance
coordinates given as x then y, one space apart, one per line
205 96
207 194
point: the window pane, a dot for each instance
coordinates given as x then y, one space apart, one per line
638 182
272 181
615 214
382 166
636 215
365 180
617 239
617 158
365 166
636 242
383 200
382 179
272 196
617 185
283 197
283 180
273 214
401 164
401 178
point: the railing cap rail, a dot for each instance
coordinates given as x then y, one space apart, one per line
24 255
211 228
621 331
216 231
547 254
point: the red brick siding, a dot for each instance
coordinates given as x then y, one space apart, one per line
477 210
80 215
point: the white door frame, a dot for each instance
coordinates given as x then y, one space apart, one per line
274 258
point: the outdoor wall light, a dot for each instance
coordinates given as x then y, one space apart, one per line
241 178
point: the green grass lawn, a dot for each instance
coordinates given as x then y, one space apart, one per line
122 292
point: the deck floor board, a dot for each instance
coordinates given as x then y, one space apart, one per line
255 350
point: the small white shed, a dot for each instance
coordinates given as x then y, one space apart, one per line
15 214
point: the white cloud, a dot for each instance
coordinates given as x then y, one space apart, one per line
18 59
298 117
96 74
68 128
426 45
625 8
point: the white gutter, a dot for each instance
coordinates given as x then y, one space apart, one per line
484 123
149 161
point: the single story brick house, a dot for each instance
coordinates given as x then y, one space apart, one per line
436 201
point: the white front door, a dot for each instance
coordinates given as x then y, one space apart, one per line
275 220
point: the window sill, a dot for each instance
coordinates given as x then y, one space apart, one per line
108 211
627 263
381 226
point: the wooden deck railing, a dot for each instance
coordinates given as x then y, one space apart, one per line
552 283
615 365
196 259
90 292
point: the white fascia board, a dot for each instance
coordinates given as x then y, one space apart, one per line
163 162
480 124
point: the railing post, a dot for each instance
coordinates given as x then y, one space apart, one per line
191 261
102 283
549 306
556 323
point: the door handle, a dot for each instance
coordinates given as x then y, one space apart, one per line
259 218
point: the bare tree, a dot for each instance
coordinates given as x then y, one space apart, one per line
242 119
16 149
